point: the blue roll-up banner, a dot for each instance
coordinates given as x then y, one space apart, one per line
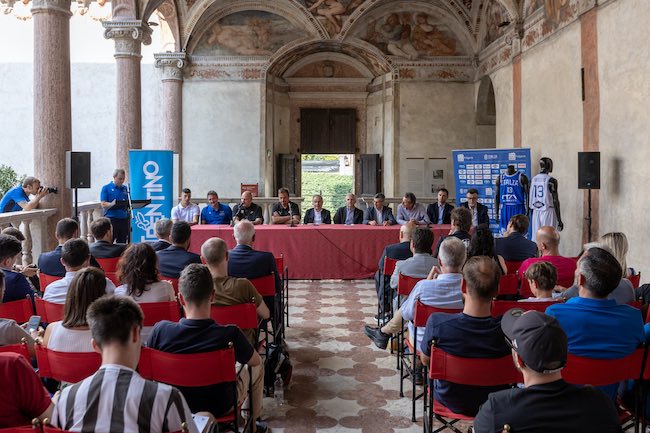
479 168
152 178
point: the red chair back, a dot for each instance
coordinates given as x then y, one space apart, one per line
242 315
279 263
49 311
20 349
512 266
196 369
45 280
524 289
23 429
599 372
109 265
389 265
423 311
155 312
173 281
508 284
473 371
499 308
69 367
635 280
405 284
265 285
20 311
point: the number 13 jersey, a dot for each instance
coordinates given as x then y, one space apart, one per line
540 197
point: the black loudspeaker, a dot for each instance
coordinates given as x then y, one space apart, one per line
77 169
588 170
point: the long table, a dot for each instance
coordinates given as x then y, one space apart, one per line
317 252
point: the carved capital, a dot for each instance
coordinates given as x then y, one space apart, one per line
128 36
61 6
172 65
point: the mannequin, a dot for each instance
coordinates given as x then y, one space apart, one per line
544 203
512 197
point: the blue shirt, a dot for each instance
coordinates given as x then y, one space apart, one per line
10 200
222 215
112 192
16 287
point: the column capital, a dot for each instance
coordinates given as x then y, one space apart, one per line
61 6
128 36
172 65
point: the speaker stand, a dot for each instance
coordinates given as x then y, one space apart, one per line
589 215
76 206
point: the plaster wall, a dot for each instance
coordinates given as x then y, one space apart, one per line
551 121
502 83
375 123
220 151
624 67
390 154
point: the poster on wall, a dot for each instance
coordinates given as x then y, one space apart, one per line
151 173
479 168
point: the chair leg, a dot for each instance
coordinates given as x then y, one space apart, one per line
414 373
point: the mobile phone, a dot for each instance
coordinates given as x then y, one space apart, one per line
33 323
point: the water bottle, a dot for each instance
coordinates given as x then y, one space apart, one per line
278 390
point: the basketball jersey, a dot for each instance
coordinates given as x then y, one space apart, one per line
510 189
540 197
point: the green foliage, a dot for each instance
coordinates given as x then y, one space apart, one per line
333 187
316 157
8 179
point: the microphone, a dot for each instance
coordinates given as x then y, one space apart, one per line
291 216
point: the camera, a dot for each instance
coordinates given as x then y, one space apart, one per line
51 189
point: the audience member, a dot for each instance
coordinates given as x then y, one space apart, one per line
317 215
10 331
378 214
513 246
409 211
247 210
422 261
215 212
398 251
16 285
618 245
444 291
50 262
285 211
75 256
163 230
72 333
461 223
482 244
474 333
349 214
198 333
103 247
547 403
28 271
138 272
172 260
596 326
478 211
119 218
440 211
17 198
144 405
229 290
542 277
548 243
186 210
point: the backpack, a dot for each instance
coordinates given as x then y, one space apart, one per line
278 362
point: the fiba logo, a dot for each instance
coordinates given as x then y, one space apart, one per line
461 157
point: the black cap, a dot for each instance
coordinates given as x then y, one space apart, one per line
537 338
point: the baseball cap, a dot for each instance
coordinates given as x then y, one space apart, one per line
537 338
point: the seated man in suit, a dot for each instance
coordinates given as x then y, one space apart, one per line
349 214
245 262
163 229
440 211
514 246
317 215
103 247
16 285
247 210
50 262
479 211
378 214
172 260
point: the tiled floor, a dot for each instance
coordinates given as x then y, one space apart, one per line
341 381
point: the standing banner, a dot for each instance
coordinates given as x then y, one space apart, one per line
152 178
479 168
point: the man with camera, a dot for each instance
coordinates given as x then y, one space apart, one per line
17 198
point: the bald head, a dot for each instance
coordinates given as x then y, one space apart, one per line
548 241
406 232
244 232
214 251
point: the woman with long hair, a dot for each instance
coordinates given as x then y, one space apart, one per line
482 244
138 272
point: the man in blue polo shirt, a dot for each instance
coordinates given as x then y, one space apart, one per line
215 212
116 190
17 198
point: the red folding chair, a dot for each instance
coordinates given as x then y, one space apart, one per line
512 266
108 265
524 289
20 311
70 367
499 308
20 349
45 280
244 316
34 428
635 280
420 317
508 285
463 371
266 287
389 268
284 277
49 311
155 312
405 286
196 369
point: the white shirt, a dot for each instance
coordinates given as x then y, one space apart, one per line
474 215
318 217
187 213
160 291
57 291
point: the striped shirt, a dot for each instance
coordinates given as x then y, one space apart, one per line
116 399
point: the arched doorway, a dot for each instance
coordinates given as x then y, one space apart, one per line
486 114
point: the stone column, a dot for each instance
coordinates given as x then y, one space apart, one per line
128 36
52 109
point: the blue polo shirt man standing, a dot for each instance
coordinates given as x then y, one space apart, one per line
215 212
17 198
116 190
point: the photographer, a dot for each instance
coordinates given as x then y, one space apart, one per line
17 198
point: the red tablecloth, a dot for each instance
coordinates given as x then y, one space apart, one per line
317 252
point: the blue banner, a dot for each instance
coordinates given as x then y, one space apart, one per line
479 168
152 178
